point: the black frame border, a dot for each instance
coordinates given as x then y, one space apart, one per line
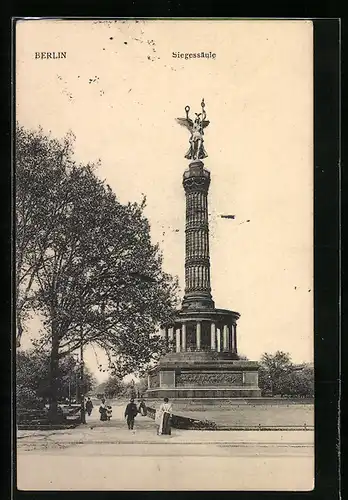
327 253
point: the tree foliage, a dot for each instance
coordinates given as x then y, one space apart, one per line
141 385
243 357
113 387
279 376
85 262
39 163
33 378
131 391
298 383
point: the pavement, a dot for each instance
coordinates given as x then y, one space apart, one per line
107 456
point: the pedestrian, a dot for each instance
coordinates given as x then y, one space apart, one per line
130 413
103 411
109 412
89 406
142 408
164 418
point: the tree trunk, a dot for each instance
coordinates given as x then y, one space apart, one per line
19 330
54 367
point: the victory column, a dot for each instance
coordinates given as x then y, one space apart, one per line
202 359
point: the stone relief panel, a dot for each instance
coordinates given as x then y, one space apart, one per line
251 378
209 379
154 380
167 379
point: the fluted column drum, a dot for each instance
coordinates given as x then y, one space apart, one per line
196 183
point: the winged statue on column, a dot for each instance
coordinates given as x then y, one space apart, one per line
196 127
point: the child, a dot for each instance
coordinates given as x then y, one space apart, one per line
108 412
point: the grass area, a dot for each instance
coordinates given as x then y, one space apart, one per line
282 415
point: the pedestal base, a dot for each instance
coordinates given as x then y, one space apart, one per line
201 394
203 375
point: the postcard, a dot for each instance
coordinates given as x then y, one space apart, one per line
164 254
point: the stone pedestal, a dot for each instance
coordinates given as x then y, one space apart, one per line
203 376
203 363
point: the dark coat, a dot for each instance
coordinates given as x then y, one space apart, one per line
89 405
103 415
131 410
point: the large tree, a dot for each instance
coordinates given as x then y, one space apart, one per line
273 368
40 162
85 262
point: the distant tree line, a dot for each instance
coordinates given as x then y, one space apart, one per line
115 387
279 376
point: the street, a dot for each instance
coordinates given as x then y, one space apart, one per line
107 456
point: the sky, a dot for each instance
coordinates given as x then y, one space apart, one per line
119 90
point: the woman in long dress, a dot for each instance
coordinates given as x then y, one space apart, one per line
164 416
103 411
142 408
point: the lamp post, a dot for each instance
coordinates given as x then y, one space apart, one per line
271 384
77 384
82 395
74 377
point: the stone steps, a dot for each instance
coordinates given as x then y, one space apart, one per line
228 402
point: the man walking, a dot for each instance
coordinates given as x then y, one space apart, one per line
89 406
130 413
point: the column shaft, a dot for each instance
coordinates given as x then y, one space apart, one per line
198 336
166 337
212 337
183 336
232 338
225 338
171 337
177 338
196 183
